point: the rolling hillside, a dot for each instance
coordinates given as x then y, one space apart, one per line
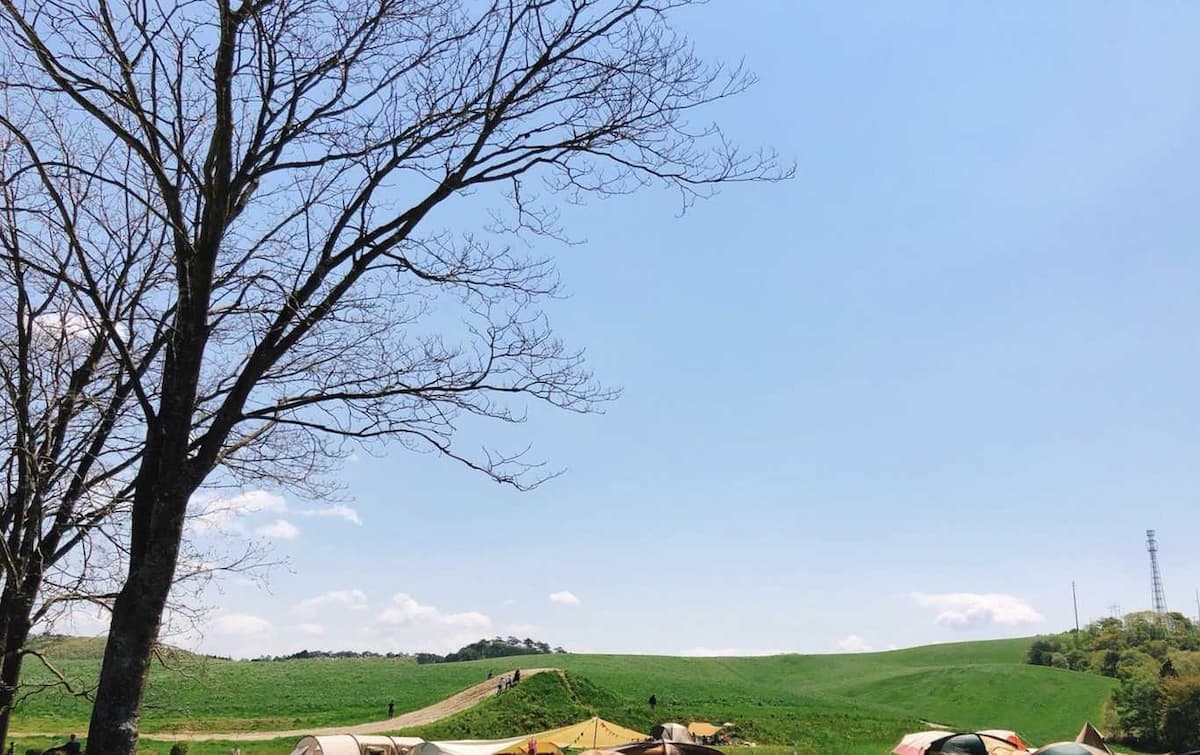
827 703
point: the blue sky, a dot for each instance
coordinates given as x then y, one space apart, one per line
906 397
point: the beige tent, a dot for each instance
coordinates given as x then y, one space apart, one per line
703 729
355 744
1092 738
514 746
672 733
594 733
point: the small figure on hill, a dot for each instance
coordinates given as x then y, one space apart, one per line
517 676
653 702
489 676
499 685
391 708
12 748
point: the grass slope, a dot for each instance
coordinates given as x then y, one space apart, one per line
812 704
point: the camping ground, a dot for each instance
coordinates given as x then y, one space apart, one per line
858 703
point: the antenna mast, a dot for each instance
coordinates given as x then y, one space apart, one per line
1075 602
1156 584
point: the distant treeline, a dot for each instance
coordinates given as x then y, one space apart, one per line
1157 660
497 647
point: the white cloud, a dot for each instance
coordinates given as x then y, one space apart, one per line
241 625
280 529
353 600
564 597
703 652
963 610
339 511
314 630
407 624
854 644
522 630
213 514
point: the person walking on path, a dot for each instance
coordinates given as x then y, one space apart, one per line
391 708
517 676
653 702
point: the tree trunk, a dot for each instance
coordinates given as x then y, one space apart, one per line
136 618
16 612
10 668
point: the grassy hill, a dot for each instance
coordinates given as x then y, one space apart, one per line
827 703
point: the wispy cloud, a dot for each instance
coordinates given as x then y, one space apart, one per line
852 643
963 610
408 624
338 511
280 529
703 652
240 625
340 600
564 597
214 514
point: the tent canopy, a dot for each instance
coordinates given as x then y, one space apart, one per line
1006 734
980 743
351 744
514 746
594 733
671 733
1092 738
666 748
703 729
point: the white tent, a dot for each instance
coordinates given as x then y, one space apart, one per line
512 746
672 733
355 744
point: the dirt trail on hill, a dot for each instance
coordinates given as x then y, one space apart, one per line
468 698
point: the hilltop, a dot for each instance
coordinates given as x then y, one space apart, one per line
815 703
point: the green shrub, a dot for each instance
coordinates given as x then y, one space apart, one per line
179 748
1180 725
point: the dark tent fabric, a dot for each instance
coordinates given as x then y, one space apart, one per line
972 743
962 744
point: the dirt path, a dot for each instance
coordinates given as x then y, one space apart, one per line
468 698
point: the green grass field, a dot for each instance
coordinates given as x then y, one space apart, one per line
806 704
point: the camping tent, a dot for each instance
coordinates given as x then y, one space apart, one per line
703 729
923 742
666 748
514 746
594 733
351 744
1092 738
1007 734
671 733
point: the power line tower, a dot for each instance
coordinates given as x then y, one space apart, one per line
1156 584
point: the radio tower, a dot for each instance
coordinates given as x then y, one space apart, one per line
1156 585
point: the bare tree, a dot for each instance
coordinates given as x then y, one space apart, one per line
74 438
283 160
